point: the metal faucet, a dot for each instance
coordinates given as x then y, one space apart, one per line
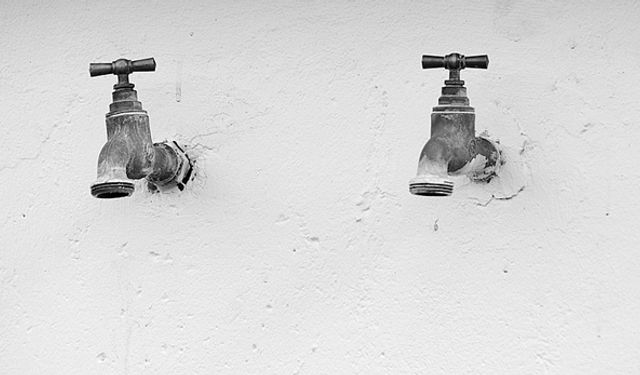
453 147
129 153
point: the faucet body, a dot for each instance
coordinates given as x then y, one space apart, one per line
452 133
453 147
129 154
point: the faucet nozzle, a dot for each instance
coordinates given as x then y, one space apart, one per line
112 189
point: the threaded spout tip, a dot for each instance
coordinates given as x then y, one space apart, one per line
431 186
112 189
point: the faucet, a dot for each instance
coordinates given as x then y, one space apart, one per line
129 153
453 148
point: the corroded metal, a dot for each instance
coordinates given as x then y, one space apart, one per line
453 144
129 153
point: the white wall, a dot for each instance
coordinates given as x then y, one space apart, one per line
298 249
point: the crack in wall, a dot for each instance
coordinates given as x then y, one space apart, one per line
504 198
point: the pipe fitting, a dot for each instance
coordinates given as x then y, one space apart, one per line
171 166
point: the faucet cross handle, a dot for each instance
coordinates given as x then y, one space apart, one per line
122 68
455 62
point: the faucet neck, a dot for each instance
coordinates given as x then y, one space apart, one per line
454 95
125 99
454 78
123 82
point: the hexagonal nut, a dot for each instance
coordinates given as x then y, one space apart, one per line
183 171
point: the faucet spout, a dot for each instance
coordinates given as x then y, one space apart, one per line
432 177
112 181
126 156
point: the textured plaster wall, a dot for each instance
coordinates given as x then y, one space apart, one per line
298 249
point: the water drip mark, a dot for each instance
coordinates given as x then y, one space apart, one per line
179 82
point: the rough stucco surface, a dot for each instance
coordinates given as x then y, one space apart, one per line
298 249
